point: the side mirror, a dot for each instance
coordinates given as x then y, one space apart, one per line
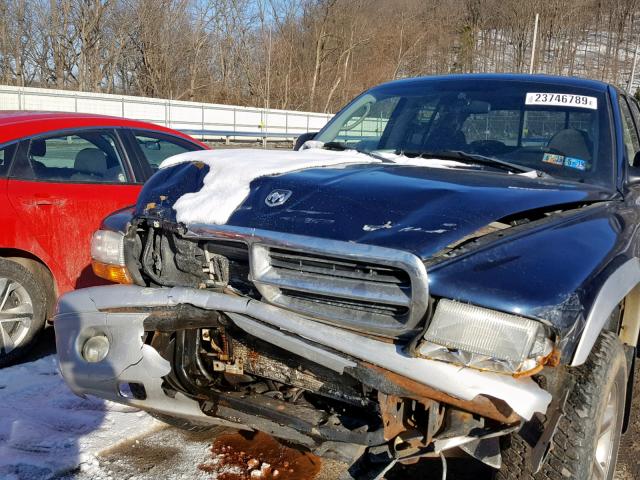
152 145
303 138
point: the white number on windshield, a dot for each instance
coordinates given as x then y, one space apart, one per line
561 100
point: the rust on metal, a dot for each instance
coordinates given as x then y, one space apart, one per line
392 412
494 409
537 369
126 310
551 360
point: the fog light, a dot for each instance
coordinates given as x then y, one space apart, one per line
95 349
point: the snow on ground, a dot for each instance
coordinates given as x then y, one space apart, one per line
46 430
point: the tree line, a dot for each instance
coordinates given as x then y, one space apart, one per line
309 55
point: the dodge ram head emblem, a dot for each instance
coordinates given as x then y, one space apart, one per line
277 198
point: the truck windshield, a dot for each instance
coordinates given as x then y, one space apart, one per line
559 129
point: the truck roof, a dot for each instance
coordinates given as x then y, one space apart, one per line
513 77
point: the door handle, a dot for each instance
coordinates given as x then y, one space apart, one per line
47 202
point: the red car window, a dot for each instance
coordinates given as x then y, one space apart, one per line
156 147
83 157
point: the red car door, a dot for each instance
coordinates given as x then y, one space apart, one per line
62 186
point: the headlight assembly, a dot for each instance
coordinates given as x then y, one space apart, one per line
485 339
107 256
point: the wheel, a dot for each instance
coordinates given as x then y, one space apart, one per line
23 307
181 423
585 446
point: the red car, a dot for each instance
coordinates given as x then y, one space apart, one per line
60 175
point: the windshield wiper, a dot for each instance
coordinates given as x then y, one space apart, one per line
472 158
342 146
339 146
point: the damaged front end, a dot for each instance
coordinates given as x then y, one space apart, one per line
325 343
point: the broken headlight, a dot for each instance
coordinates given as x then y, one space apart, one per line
485 339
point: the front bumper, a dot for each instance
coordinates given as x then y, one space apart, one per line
118 313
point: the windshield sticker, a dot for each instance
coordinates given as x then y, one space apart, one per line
563 161
553 159
561 100
575 163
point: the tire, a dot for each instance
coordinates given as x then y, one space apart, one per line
182 423
23 310
573 447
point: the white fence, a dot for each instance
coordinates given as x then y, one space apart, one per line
216 120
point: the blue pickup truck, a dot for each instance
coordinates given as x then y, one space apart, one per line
451 263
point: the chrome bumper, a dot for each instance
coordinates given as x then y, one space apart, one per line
82 314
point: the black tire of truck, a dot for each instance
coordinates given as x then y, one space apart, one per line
182 423
19 288
574 445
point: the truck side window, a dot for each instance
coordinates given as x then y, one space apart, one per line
629 132
635 110
366 125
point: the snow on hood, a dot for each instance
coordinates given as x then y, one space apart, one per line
231 172
227 184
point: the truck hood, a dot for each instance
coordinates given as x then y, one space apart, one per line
415 208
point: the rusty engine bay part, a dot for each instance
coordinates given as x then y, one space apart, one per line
245 380
242 379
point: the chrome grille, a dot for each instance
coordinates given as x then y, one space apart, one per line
337 268
354 292
396 311
373 289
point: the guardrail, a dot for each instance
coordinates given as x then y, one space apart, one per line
205 118
227 135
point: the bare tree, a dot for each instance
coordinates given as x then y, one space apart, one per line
301 54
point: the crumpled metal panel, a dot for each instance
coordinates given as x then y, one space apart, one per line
523 395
